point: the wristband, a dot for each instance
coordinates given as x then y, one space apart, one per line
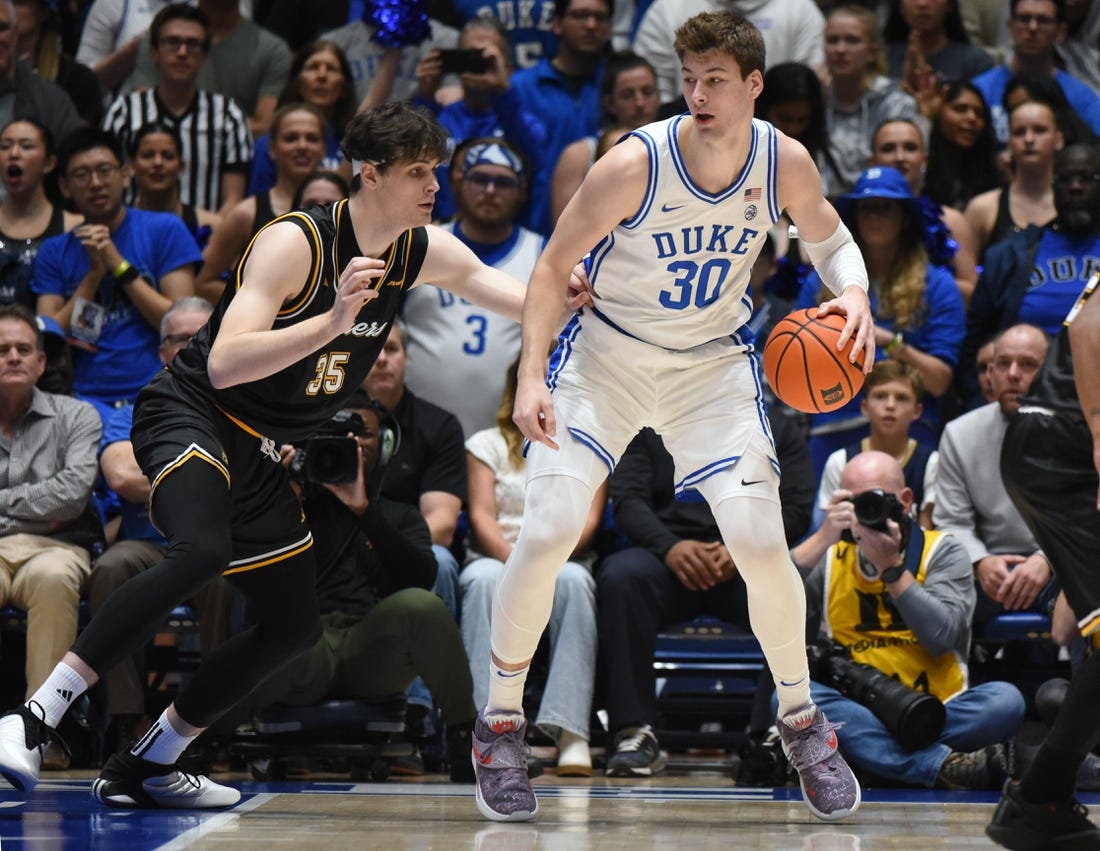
121 268
894 344
128 276
892 574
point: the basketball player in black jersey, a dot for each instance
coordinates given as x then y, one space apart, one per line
288 343
1050 462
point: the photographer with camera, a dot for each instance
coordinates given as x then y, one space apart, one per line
382 625
896 600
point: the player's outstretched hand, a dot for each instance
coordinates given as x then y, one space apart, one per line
355 290
533 412
856 307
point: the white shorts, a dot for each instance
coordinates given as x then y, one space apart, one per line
707 403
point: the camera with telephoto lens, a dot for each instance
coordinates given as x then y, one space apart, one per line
330 456
914 718
873 508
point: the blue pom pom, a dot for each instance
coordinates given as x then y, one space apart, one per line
399 23
941 247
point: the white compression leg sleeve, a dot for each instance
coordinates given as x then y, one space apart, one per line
556 507
555 510
753 530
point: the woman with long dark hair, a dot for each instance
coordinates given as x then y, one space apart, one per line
156 159
27 216
962 149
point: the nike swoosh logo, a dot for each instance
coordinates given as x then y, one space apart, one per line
488 758
667 209
745 484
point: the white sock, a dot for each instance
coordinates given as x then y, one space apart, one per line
506 689
162 744
62 687
793 694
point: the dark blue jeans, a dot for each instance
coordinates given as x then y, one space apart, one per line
982 715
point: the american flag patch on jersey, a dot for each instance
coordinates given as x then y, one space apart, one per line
752 194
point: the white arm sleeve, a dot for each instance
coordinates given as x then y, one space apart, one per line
838 261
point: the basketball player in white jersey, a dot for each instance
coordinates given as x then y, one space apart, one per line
680 209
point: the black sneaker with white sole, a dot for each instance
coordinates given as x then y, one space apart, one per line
637 753
130 782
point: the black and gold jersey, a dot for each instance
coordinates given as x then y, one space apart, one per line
294 402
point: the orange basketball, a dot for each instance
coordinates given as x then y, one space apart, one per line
804 367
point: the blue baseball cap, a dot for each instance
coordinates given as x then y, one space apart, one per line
880 181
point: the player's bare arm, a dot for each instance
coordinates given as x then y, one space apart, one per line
451 266
1084 340
247 347
612 191
835 255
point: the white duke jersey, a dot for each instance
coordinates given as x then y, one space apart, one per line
459 353
676 274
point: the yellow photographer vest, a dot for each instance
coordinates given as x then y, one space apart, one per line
860 615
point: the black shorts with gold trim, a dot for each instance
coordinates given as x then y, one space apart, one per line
1048 470
174 426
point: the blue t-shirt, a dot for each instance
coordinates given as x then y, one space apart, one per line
135 524
1085 102
126 352
939 335
569 108
1062 266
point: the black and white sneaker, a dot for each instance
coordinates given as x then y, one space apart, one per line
130 782
637 754
23 740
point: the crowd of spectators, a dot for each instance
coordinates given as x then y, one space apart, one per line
142 146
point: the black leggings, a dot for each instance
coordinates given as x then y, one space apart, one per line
193 509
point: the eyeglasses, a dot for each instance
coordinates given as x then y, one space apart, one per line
104 171
177 339
582 16
1038 20
501 183
172 43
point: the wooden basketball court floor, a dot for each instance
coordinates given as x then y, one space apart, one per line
671 813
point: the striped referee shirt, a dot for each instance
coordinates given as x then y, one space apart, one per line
214 132
49 465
